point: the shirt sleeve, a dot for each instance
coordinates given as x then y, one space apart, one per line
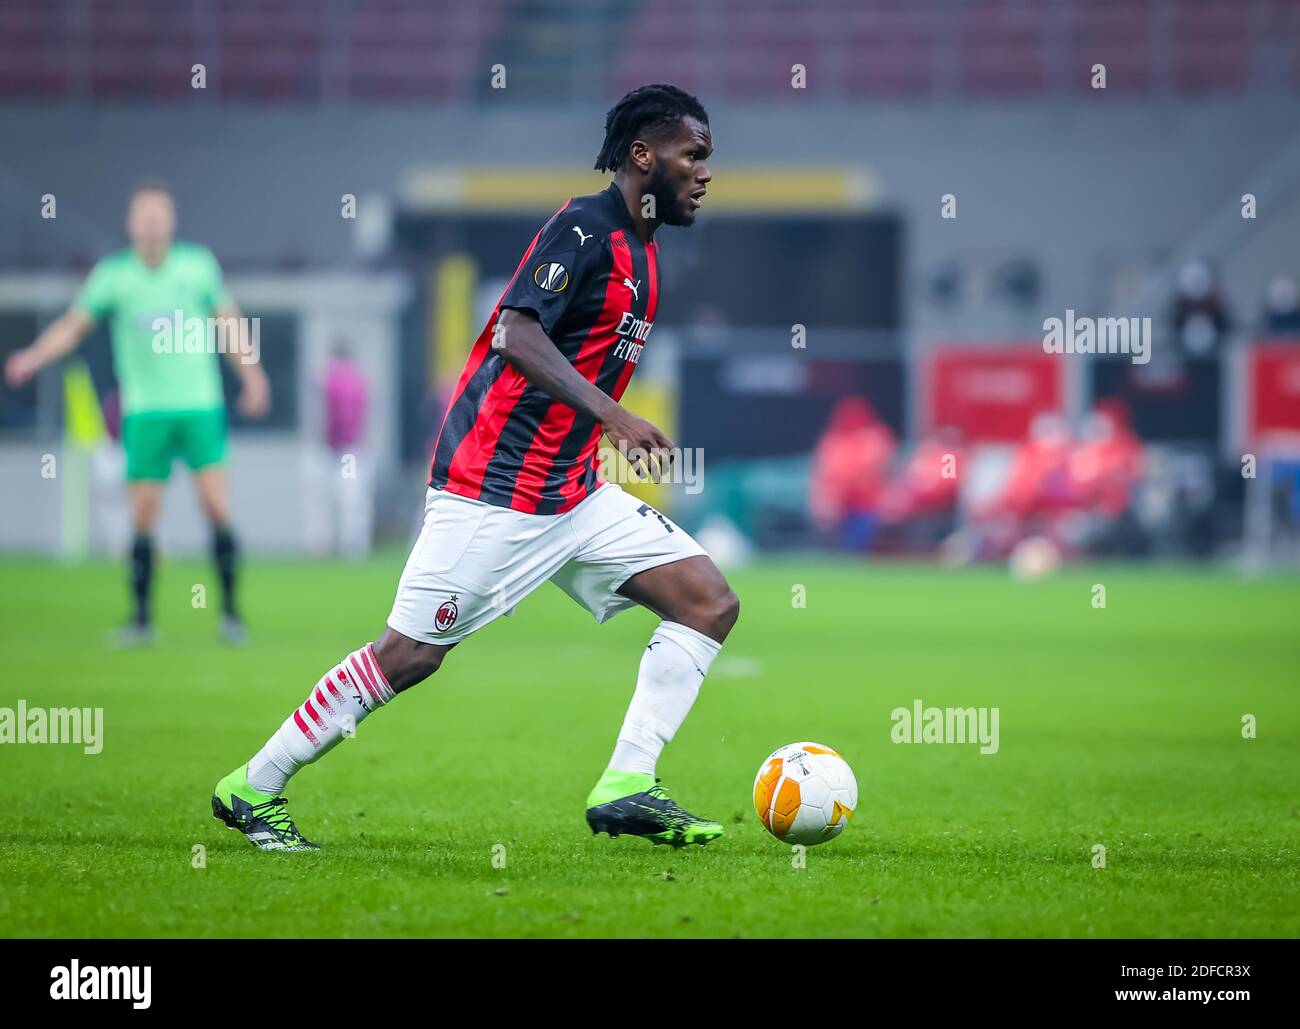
96 297
566 261
214 283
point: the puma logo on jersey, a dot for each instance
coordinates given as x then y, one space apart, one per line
582 238
633 286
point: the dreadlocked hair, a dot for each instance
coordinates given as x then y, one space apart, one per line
644 111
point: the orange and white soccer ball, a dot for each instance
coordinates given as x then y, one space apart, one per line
805 793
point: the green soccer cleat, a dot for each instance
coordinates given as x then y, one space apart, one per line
634 804
261 817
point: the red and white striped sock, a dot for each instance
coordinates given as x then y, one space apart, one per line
345 695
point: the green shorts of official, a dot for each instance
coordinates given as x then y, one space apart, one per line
153 438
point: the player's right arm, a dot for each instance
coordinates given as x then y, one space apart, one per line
65 334
523 343
62 336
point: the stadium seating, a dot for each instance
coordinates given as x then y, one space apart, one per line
321 51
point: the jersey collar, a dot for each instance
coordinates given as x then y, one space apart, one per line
622 215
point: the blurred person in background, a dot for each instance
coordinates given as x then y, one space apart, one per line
1105 469
346 413
1199 314
1036 492
1281 308
172 400
849 474
921 500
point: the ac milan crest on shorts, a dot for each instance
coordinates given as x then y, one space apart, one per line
445 617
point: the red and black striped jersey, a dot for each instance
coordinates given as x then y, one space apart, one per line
594 286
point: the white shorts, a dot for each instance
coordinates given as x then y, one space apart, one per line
475 561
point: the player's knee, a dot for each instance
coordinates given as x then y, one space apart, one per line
730 609
723 610
406 662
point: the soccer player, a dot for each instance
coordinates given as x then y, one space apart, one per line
514 499
172 401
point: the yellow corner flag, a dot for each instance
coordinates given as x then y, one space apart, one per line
83 423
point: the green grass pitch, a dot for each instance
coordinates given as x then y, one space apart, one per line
1120 727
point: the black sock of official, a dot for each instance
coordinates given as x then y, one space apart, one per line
141 575
224 553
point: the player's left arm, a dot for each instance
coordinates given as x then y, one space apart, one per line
254 386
